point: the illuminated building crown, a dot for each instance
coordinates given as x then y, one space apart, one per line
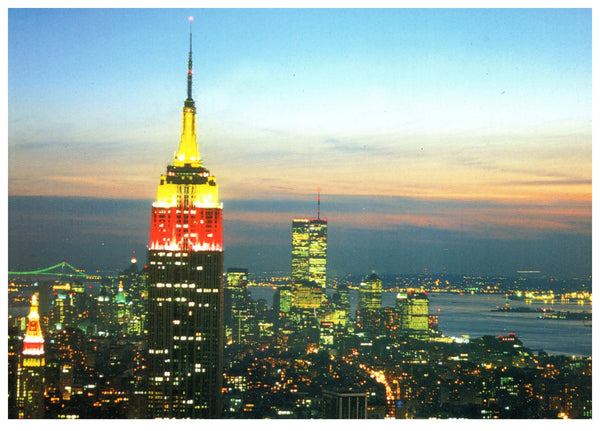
186 215
33 343
120 298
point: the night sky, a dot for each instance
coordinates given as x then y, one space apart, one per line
457 139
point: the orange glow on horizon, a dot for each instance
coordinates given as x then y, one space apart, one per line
499 222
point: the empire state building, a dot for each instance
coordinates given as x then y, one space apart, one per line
185 284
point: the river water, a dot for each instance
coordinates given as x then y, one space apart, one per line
471 315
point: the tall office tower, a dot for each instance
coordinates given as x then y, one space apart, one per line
122 307
343 295
237 303
285 299
105 308
309 261
134 283
368 310
413 309
64 311
185 284
30 374
341 305
45 303
14 343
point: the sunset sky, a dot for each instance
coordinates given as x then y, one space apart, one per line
457 138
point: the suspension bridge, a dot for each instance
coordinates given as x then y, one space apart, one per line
62 269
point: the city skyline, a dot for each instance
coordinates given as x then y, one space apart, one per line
456 139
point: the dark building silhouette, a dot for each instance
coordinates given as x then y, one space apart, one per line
339 405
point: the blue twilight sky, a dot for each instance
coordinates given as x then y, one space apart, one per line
472 125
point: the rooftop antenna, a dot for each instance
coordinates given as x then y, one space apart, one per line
319 203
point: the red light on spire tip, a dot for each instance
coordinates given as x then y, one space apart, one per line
191 18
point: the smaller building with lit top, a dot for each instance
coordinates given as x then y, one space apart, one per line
30 374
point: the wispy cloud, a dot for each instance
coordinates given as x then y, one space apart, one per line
488 219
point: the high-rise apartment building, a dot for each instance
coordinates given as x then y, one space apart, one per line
185 284
30 372
309 262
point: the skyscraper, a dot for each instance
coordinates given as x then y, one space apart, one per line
185 284
369 294
309 261
368 311
340 301
237 301
30 373
413 309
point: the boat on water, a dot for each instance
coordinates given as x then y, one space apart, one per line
531 296
508 309
568 315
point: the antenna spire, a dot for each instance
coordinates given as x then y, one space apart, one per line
190 69
188 147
